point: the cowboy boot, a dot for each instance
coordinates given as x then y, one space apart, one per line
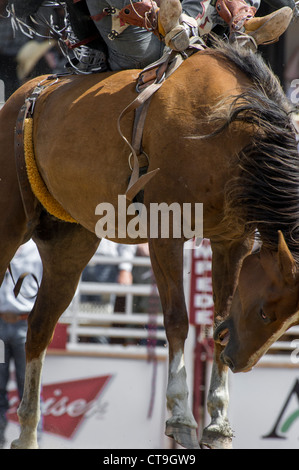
268 29
176 27
167 21
246 28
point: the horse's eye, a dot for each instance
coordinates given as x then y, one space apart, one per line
264 317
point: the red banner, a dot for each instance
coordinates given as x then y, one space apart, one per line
65 404
201 293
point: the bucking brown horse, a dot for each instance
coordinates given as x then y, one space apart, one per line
220 132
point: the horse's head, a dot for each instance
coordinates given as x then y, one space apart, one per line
265 305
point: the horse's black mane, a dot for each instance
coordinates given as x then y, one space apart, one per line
265 195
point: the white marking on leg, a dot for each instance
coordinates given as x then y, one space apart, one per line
218 433
29 410
218 397
177 393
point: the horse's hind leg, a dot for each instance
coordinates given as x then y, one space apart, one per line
65 249
167 262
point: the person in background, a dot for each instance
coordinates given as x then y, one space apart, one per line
14 312
115 273
41 56
22 58
142 275
10 44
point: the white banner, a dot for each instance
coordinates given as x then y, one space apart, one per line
100 403
264 408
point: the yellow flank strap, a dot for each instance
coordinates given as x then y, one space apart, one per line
38 186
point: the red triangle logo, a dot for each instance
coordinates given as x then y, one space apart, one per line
64 404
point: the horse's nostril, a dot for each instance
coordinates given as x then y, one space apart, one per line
227 361
223 337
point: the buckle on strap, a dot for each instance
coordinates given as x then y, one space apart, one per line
107 11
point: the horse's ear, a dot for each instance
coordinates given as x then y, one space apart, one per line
287 264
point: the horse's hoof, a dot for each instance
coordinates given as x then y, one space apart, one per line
17 444
215 440
183 435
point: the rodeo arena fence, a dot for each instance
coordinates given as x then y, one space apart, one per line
105 373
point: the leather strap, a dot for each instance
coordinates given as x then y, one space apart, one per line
13 317
100 16
18 284
142 101
136 183
142 14
235 13
29 200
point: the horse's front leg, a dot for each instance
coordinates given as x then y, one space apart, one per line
218 434
167 263
227 262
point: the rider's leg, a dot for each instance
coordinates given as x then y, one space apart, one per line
175 25
174 21
243 25
127 47
239 16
